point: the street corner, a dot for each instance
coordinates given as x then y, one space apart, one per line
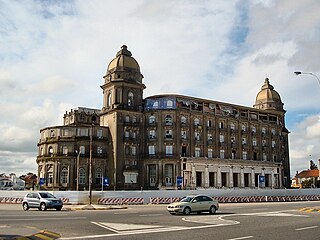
307 209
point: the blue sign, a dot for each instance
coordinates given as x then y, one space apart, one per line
42 181
106 181
179 180
261 179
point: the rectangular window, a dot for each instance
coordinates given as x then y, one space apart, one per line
183 134
65 150
197 152
130 178
254 142
152 150
133 150
99 150
244 141
168 134
82 150
152 134
221 153
273 143
221 138
169 150
83 132
168 174
244 155
99 133
210 153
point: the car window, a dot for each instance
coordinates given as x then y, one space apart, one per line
46 195
30 195
186 199
205 198
198 199
34 195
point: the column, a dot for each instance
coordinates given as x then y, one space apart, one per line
231 177
206 177
253 178
160 175
219 178
193 176
262 174
241 177
272 179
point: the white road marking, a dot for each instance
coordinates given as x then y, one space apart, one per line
117 227
210 219
142 231
306 228
239 238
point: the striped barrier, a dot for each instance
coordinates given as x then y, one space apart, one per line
164 200
18 200
121 201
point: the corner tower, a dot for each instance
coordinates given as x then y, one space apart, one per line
123 87
268 98
122 113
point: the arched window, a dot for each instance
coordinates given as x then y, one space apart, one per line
109 98
168 120
130 99
196 122
50 175
98 176
50 150
152 119
169 103
82 176
183 120
64 175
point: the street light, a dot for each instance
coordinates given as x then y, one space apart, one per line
77 165
309 73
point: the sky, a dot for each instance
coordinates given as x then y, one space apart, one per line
54 53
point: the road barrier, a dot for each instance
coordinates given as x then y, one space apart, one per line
121 201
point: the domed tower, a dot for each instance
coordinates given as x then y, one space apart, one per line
122 112
123 87
268 98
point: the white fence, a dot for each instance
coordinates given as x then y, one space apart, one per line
167 196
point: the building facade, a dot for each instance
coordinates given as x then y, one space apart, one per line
169 141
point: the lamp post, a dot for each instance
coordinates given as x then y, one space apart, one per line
90 167
308 73
77 166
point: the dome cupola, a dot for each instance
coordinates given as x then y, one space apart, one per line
124 60
268 98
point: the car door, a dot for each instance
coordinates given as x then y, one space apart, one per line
36 200
196 204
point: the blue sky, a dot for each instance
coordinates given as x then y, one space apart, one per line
53 55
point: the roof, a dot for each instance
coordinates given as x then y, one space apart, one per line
308 173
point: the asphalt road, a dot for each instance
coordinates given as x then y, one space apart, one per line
293 220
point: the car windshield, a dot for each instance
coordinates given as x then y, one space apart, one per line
186 199
46 195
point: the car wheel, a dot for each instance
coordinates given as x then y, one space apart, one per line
25 206
58 208
43 207
213 209
186 211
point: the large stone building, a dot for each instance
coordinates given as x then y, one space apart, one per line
162 140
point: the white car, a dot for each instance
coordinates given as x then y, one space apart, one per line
197 203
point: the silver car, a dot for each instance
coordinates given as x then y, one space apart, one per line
42 201
198 203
